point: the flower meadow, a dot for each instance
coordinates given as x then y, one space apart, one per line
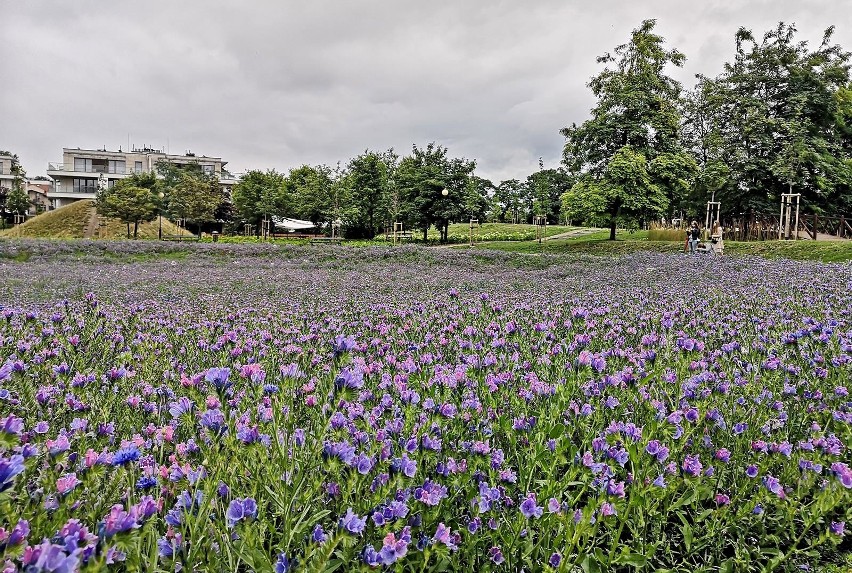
331 409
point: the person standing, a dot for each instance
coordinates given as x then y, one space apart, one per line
716 243
692 235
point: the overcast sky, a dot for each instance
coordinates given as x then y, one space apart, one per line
277 84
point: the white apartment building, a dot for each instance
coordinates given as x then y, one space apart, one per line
83 170
6 177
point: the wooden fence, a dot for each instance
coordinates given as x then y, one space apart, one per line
766 228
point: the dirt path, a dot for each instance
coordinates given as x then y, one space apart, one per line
92 227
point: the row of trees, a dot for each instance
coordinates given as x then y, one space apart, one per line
185 193
363 197
376 189
777 119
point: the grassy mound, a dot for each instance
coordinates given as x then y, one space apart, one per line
72 221
68 222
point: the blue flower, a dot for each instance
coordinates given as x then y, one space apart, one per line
283 564
342 344
529 507
125 456
9 468
218 377
240 509
353 523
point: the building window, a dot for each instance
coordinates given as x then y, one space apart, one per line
84 165
85 186
116 166
2 163
207 169
138 167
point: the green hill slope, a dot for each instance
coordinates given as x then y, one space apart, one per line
79 220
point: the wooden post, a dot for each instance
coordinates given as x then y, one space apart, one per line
797 217
840 228
816 221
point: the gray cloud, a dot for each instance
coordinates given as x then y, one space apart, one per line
282 83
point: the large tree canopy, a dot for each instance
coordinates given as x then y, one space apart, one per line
132 200
637 118
423 177
775 120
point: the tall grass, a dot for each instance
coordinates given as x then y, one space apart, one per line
667 235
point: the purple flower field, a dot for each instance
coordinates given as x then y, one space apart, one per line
257 408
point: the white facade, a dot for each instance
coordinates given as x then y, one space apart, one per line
6 177
82 170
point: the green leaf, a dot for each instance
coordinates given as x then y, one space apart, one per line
632 559
589 564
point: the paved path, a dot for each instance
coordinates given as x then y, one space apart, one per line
580 232
92 226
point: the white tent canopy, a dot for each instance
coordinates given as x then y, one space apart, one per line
292 224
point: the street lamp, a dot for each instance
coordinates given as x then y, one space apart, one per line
160 215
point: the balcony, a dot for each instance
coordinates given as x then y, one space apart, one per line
66 169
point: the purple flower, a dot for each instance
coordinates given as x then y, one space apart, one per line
723 455
283 564
555 560
353 523
51 558
406 465
692 465
751 471
496 555
11 425
607 509
553 505
9 468
18 534
773 485
318 535
66 483
118 521
442 535
529 508
342 344
838 527
218 377
349 378
240 509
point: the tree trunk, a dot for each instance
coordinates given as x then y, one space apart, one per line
135 229
425 234
612 230
128 230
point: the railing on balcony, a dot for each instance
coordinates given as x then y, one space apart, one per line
94 169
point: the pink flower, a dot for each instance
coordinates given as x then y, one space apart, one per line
66 483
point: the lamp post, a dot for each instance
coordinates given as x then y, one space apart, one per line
161 195
444 192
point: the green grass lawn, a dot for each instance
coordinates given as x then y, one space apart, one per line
460 232
598 243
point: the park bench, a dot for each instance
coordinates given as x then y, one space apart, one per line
400 236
